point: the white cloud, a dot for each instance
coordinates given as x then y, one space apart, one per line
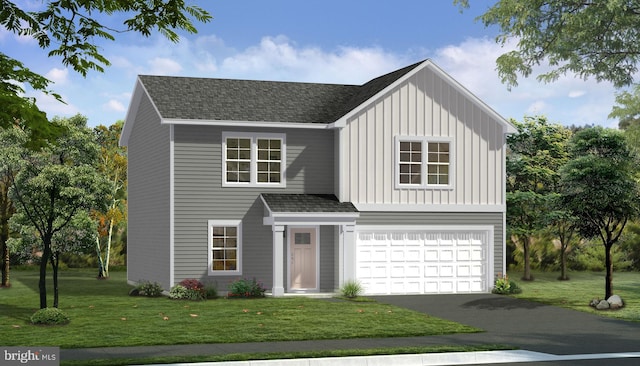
164 66
278 58
58 76
576 93
114 106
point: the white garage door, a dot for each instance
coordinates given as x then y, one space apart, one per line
422 261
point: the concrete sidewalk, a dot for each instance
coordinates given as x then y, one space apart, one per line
507 321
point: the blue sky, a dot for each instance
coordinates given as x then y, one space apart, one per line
329 41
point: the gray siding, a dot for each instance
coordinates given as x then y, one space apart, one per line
494 219
148 249
328 259
199 197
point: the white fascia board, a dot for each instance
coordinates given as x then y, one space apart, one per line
508 127
311 218
391 207
431 228
342 122
204 122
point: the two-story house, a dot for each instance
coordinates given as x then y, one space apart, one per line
398 183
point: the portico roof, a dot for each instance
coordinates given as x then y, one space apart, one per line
307 209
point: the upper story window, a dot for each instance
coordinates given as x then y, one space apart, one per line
424 162
253 159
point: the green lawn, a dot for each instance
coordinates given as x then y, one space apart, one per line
580 289
102 314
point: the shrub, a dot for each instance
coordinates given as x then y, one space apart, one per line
49 316
504 286
246 288
150 289
351 289
210 292
179 292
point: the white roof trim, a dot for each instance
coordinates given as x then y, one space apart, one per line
394 207
508 127
204 122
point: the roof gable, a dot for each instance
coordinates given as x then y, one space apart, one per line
228 101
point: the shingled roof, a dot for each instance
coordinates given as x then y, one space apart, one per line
295 203
256 101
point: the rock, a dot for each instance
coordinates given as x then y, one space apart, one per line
615 302
602 305
134 292
594 302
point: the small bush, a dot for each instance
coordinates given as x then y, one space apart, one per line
210 292
246 288
504 286
49 316
150 289
179 292
351 289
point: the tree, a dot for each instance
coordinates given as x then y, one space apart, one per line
113 166
628 109
563 226
55 185
70 29
599 187
12 141
534 157
587 38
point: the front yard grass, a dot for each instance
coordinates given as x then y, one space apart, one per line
580 289
103 315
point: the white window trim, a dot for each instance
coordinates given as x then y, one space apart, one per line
423 172
253 180
238 225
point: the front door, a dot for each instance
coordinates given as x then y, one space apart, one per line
304 251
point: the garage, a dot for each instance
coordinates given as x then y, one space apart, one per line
397 260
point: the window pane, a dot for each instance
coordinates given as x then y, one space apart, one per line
230 254
444 179
232 143
244 177
274 177
405 146
263 154
245 143
432 179
231 230
263 167
415 179
230 265
218 231
263 144
405 157
302 238
274 167
404 168
263 177
404 179
218 255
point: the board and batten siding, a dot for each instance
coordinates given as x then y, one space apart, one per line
442 220
148 235
423 105
199 197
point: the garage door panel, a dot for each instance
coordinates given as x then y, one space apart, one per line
395 261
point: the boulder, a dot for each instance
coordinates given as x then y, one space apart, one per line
602 305
615 302
594 302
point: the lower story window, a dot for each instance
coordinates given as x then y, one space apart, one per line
225 241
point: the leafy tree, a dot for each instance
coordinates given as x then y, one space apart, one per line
113 166
70 29
563 226
628 109
600 188
587 38
534 157
12 140
54 185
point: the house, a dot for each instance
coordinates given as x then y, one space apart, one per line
398 183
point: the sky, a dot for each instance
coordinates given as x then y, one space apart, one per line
328 41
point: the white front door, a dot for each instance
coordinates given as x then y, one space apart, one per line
304 259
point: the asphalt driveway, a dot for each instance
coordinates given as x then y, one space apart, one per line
528 325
